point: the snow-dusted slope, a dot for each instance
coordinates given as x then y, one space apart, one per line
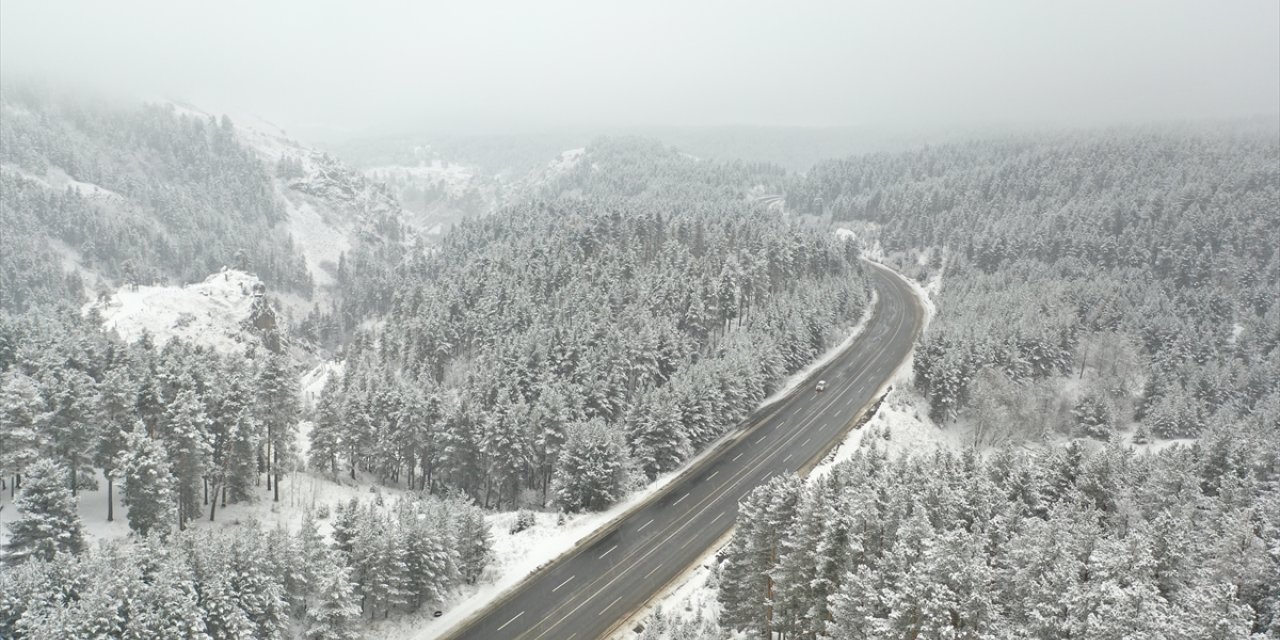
331 206
55 179
547 176
453 179
214 313
568 161
437 193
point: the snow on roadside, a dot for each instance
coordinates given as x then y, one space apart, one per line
208 313
692 599
868 234
903 415
547 541
537 546
802 375
928 295
900 425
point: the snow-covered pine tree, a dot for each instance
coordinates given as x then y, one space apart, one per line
346 522
224 617
148 483
327 433
431 557
259 571
72 422
277 401
232 438
245 438
166 604
313 555
185 432
505 445
336 611
474 543
20 410
657 437
1094 417
48 520
745 589
594 468
119 408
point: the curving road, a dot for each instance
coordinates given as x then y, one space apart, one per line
594 588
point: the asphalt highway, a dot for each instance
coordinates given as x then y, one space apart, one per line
589 591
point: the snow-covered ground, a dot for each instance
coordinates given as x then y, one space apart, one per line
208 313
321 243
299 492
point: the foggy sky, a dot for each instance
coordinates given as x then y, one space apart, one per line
546 63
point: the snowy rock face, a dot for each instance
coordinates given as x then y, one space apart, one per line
227 312
309 176
566 163
437 193
453 181
331 207
326 178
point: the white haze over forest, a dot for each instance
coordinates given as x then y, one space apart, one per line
328 67
643 320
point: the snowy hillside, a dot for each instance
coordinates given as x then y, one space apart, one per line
436 192
216 312
331 207
450 178
568 161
